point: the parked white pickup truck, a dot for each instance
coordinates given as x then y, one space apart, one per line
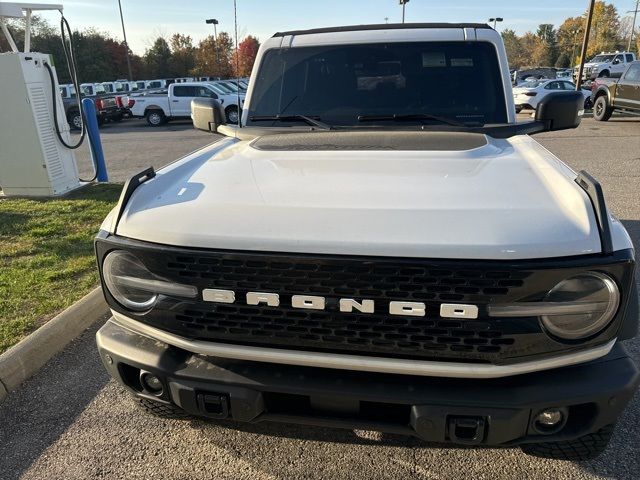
611 64
175 102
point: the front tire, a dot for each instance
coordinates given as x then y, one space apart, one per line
601 109
587 447
232 114
75 120
155 118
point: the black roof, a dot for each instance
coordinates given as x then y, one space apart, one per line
382 26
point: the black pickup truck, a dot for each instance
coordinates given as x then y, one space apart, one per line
609 94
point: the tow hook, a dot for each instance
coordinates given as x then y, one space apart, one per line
467 430
213 405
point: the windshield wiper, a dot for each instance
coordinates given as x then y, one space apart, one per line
314 122
409 117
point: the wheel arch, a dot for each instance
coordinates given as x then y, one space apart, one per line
153 107
600 92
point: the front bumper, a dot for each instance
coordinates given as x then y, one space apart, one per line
482 412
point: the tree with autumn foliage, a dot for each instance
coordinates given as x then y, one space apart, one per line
569 36
213 56
183 55
561 47
245 56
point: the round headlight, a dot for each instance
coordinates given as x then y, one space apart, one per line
121 272
585 304
134 286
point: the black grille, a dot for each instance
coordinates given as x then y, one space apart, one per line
381 280
357 332
384 280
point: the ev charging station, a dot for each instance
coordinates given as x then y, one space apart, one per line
34 160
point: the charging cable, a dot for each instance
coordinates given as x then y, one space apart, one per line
69 55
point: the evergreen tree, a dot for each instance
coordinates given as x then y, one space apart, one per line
158 59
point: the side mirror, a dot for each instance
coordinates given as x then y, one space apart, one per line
560 110
207 114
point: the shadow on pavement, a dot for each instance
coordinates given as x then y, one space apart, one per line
35 415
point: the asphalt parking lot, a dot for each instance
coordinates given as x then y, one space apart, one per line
71 421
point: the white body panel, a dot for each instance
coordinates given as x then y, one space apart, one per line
33 162
510 199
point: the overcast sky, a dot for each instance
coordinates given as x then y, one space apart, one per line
147 19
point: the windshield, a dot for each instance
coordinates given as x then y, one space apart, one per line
217 89
100 89
232 86
602 58
531 83
340 83
225 87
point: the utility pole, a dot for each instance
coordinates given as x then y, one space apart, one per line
585 44
495 21
633 25
126 45
403 3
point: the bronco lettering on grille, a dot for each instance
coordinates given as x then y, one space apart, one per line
347 305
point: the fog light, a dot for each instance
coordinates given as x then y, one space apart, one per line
549 418
151 383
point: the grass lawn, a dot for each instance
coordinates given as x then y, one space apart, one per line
46 256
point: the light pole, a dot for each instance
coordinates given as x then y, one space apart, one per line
214 22
575 45
126 45
403 3
495 21
633 25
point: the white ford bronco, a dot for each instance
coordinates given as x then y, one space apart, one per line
377 246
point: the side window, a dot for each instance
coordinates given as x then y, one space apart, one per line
184 91
568 86
553 86
633 73
205 92
618 59
629 58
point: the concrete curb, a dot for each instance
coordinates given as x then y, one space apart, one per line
24 359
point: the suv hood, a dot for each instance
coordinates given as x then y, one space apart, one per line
409 194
